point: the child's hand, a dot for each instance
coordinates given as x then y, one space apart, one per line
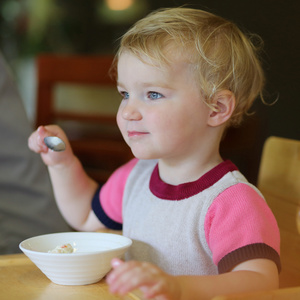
36 143
153 282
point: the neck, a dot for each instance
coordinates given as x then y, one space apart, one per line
185 172
177 171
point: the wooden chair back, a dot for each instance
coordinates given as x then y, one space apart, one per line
94 137
279 181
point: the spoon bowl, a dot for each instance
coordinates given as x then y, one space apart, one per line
55 143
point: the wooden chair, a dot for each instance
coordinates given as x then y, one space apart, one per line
94 137
279 294
279 181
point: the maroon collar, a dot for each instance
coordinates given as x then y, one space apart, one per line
185 190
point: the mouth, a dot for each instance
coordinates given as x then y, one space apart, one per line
136 133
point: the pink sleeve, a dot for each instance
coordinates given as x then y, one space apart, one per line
111 193
239 217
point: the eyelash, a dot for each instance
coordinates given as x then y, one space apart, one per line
150 95
155 93
124 95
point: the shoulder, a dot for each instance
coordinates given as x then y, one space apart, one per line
117 181
241 202
115 186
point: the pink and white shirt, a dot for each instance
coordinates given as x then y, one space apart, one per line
203 227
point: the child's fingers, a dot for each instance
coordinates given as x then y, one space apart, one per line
119 267
116 262
129 276
50 158
36 143
41 134
44 131
124 277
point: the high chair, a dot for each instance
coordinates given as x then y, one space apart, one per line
93 133
279 181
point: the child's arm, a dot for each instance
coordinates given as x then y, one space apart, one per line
252 275
73 188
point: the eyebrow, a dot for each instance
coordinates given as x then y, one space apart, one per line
149 84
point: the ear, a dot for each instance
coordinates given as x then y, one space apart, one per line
224 103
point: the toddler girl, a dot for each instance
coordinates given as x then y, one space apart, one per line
199 228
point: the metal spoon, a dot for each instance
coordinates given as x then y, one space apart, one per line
54 143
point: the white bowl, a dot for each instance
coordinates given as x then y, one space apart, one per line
89 262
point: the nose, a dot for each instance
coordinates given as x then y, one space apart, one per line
131 111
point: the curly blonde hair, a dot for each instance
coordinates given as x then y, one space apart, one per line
221 55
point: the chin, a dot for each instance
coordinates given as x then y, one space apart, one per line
143 155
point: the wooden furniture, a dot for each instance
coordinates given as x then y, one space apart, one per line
279 294
94 137
279 181
21 279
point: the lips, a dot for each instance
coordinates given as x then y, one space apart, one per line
136 133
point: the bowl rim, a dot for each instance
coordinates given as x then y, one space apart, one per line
25 250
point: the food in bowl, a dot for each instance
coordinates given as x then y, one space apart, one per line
66 248
88 264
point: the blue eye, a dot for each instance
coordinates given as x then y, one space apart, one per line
125 95
154 95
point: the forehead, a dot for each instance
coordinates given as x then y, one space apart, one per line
130 64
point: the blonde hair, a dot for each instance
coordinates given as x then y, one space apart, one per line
221 55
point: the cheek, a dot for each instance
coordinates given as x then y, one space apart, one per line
180 124
166 126
120 121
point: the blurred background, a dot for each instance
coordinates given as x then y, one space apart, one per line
31 27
